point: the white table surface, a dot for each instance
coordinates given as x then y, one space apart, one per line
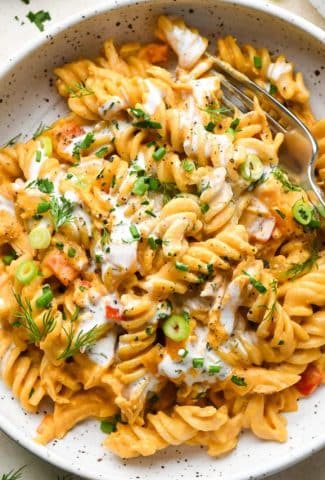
15 31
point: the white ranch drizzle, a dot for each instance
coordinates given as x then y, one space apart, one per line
35 166
277 69
189 46
153 97
6 205
197 348
103 352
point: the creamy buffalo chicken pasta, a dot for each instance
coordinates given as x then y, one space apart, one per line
160 272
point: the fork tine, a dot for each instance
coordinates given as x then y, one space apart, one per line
299 150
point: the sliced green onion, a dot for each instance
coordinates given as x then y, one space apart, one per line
46 298
273 89
159 154
39 237
198 362
147 124
182 352
139 113
252 169
302 212
46 143
257 62
134 232
101 152
38 156
188 165
214 369
150 212
26 272
321 209
176 327
140 187
181 266
240 381
107 427
7 259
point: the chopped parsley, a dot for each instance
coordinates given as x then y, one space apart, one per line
210 126
83 145
43 207
204 207
43 184
39 18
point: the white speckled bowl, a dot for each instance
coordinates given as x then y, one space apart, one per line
27 96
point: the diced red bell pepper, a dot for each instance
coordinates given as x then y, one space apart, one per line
113 313
311 378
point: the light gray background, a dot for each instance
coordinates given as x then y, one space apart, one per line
15 31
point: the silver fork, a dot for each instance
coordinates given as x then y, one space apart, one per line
298 153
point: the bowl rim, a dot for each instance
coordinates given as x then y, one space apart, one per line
260 5
306 27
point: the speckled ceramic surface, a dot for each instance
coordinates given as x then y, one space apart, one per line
320 5
27 96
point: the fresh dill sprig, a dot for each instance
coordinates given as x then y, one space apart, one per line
26 320
78 90
214 111
298 269
11 141
169 191
13 474
40 129
283 178
271 310
82 342
61 210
